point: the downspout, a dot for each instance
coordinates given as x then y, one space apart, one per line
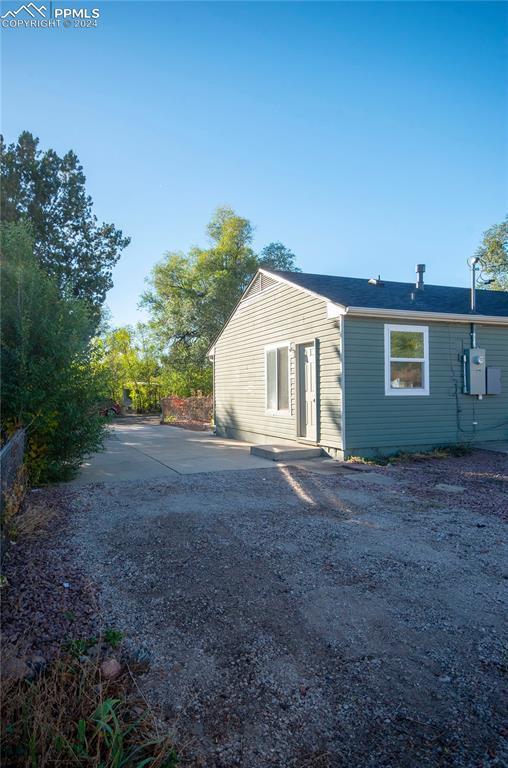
472 327
474 262
472 331
343 385
213 393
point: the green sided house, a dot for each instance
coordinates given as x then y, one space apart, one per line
362 367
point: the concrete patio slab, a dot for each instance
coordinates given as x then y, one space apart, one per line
143 449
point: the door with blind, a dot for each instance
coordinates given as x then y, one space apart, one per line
307 394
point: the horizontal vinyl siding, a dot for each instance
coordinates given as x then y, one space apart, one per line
378 422
282 314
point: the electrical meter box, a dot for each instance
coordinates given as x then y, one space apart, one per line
475 372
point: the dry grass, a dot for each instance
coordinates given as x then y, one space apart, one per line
32 520
444 452
13 501
69 716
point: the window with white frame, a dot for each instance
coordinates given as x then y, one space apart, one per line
406 360
277 378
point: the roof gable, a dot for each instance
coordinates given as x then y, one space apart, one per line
389 295
259 284
385 296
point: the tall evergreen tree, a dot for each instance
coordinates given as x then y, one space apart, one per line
48 192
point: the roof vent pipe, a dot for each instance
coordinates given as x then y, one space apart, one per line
420 269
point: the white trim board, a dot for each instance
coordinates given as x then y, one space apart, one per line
342 352
420 315
402 391
286 412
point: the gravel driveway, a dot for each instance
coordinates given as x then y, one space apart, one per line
299 619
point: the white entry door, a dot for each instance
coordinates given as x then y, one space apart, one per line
308 392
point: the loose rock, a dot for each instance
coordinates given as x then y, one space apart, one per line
110 668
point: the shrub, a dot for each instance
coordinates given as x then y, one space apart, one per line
48 383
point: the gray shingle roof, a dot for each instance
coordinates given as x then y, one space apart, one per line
356 292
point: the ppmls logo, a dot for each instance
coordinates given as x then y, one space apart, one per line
30 8
36 16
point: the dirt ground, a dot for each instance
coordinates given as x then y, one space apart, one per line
301 619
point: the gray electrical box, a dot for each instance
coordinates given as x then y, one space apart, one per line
493 381
474 372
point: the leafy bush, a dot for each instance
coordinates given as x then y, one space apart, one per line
49 385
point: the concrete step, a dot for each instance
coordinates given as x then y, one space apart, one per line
286 452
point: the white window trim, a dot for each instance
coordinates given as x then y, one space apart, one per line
278 345
425 390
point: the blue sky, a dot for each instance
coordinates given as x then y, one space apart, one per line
365 136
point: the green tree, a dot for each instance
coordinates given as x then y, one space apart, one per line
184 383
192 295
48 191
128 358
493 253
131 358
48 384
277 256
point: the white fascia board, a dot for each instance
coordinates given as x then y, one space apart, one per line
334 310
419 315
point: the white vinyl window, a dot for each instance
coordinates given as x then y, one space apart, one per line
406 360
277 379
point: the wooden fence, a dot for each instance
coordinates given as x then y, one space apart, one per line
197 408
